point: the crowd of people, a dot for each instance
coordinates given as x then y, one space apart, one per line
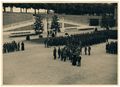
111 47
71 52
84 39
13 46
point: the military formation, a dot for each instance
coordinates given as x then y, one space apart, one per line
84 39
13 46
111 47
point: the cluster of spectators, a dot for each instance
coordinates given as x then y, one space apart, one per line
111 47
13 46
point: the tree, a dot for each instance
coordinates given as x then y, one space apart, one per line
34 6
55 25
11 5
4 6
19 5
26 6
38 25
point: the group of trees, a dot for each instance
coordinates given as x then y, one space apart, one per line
67 8
55 25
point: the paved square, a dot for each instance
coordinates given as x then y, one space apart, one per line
36 65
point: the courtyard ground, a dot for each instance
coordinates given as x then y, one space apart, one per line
35 66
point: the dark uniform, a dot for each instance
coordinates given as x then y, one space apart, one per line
18 46
22 46
89 50
79 60
74 60
81 50
64 54
59 52
54 53
85 50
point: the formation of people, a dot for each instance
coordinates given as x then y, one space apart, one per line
84 39
71 52
13 46
111 47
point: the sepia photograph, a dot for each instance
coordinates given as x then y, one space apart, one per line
60 43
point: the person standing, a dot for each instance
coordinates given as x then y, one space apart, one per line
74 60
54 53
18 46
59 53
81 50
4 48
89 50
107 47
64 55
79 60
85 50
15 46
22 46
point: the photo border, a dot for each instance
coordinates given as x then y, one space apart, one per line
57 1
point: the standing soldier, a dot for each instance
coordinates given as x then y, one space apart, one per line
64 54
18 46
85 50
59 53
81 50
89 50
15 46
4 48
54 53
45 42
74 60
22 46
107 47
79 60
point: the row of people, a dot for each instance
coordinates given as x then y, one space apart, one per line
83 39
111 47
13 46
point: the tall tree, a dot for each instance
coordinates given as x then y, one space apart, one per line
4 6
34 6
38 25
55 25
26 6
11 5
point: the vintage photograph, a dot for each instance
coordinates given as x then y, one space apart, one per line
60 43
